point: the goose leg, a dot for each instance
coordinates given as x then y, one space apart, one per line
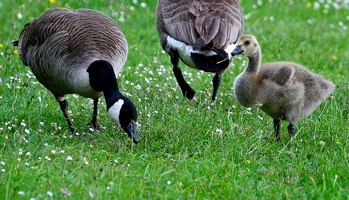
64 107
277 125
94 121
187 91
291 130
216 83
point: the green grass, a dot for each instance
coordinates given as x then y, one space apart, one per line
187 150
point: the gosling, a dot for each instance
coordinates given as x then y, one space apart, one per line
283 90
79 51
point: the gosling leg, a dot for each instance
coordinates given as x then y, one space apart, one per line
277 125
187 91
291 130
216 83
64 107
94 121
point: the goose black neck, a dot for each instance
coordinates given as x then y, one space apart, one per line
112 95
102 78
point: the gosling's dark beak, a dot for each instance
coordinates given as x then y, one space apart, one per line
131 131
237 51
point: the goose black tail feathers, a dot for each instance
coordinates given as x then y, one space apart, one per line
15 43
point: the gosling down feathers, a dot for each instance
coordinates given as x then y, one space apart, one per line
283 90
79 51
202 33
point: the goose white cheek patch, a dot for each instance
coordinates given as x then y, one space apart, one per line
114 111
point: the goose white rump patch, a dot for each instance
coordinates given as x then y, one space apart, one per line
185 51
114 111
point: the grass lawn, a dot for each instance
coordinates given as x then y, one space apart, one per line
187 150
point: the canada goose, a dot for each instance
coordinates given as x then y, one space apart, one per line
283 90
79 51
202 33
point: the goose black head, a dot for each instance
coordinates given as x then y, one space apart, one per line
124 112
120 108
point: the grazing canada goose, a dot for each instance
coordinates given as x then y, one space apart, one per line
79 51
202 33
283 90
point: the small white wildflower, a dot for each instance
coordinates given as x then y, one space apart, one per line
27 164
53 151
219 132
19 15
3 170
21 192
28 153
2 163
49 193
46 145
62 151
69 158
41 123
116 161
143 5
169 182
26 131
322 143
47 158
91 194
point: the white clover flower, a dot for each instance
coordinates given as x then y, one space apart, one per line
49 193
69 158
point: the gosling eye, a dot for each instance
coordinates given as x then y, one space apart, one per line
247 42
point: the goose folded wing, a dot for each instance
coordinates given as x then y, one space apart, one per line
281 75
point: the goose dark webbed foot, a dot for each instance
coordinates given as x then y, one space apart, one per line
189 93
277 124
95 125
291 130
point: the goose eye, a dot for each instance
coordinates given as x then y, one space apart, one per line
247 42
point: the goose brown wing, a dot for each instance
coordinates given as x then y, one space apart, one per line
278 73
89 32
207 23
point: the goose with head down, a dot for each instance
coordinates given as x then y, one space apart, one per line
283 90
202 33
79 51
